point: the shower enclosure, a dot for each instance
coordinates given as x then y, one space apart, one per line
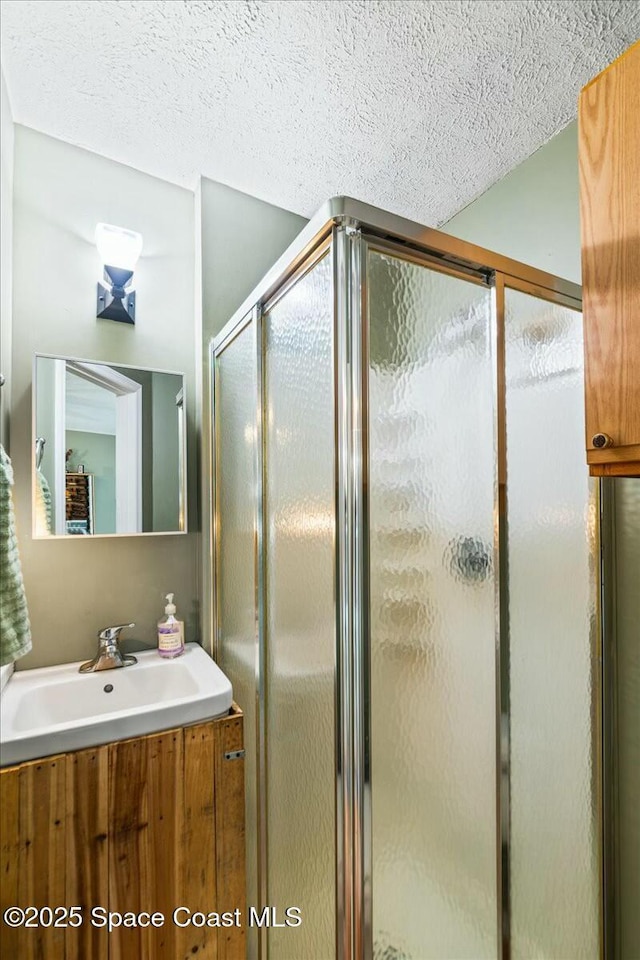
406 579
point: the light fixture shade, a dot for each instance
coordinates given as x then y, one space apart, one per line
118 247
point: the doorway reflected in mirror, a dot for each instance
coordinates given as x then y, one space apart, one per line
109 449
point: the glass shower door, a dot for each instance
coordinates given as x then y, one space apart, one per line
432 619
300 615
553 630
627 700
236 475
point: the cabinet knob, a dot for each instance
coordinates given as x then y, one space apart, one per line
601 440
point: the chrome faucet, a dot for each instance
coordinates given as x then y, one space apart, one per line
109 655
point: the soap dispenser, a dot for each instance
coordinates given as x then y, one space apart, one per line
170 632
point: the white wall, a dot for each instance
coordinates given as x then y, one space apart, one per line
6 242
75 587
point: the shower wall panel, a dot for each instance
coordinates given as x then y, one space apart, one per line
554 655
431 489
236 465
300 634
627 758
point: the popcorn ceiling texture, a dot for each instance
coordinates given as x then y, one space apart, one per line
417 106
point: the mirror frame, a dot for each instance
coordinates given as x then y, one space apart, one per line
182 451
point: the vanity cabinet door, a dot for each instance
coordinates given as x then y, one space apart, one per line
609 156
147 824
146 863
33 829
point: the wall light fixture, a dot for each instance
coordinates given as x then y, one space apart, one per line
119 250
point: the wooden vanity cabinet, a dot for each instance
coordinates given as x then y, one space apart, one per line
609 159
148 824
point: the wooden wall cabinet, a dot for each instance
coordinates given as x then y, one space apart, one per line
609 157
148 824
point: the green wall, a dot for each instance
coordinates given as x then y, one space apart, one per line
166 452
532 214
97 453
56 205
242 237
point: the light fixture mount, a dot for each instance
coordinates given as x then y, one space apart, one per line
114 302
119 251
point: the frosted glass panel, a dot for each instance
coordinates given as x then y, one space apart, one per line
300 615
627 499
235 489
432 615
553 658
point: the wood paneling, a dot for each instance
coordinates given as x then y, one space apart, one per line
163 850
87 868
148 824
43 835
9 855
609 156
128 836
230 848
616 454
199 839
34 829
623 469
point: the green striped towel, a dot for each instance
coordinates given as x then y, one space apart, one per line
15 630
43 505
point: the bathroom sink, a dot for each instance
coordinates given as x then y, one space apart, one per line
56 709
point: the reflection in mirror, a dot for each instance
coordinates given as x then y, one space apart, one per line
109 449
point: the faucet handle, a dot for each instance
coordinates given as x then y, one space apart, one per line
112 633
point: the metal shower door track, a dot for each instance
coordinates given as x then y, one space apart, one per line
444 249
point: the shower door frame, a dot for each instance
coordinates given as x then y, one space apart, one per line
350 228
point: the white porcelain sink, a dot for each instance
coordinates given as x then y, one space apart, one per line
56 709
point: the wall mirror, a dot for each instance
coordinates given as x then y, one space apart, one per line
109 449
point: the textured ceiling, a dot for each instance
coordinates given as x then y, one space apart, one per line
412 105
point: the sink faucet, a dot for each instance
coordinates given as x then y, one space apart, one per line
109 656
